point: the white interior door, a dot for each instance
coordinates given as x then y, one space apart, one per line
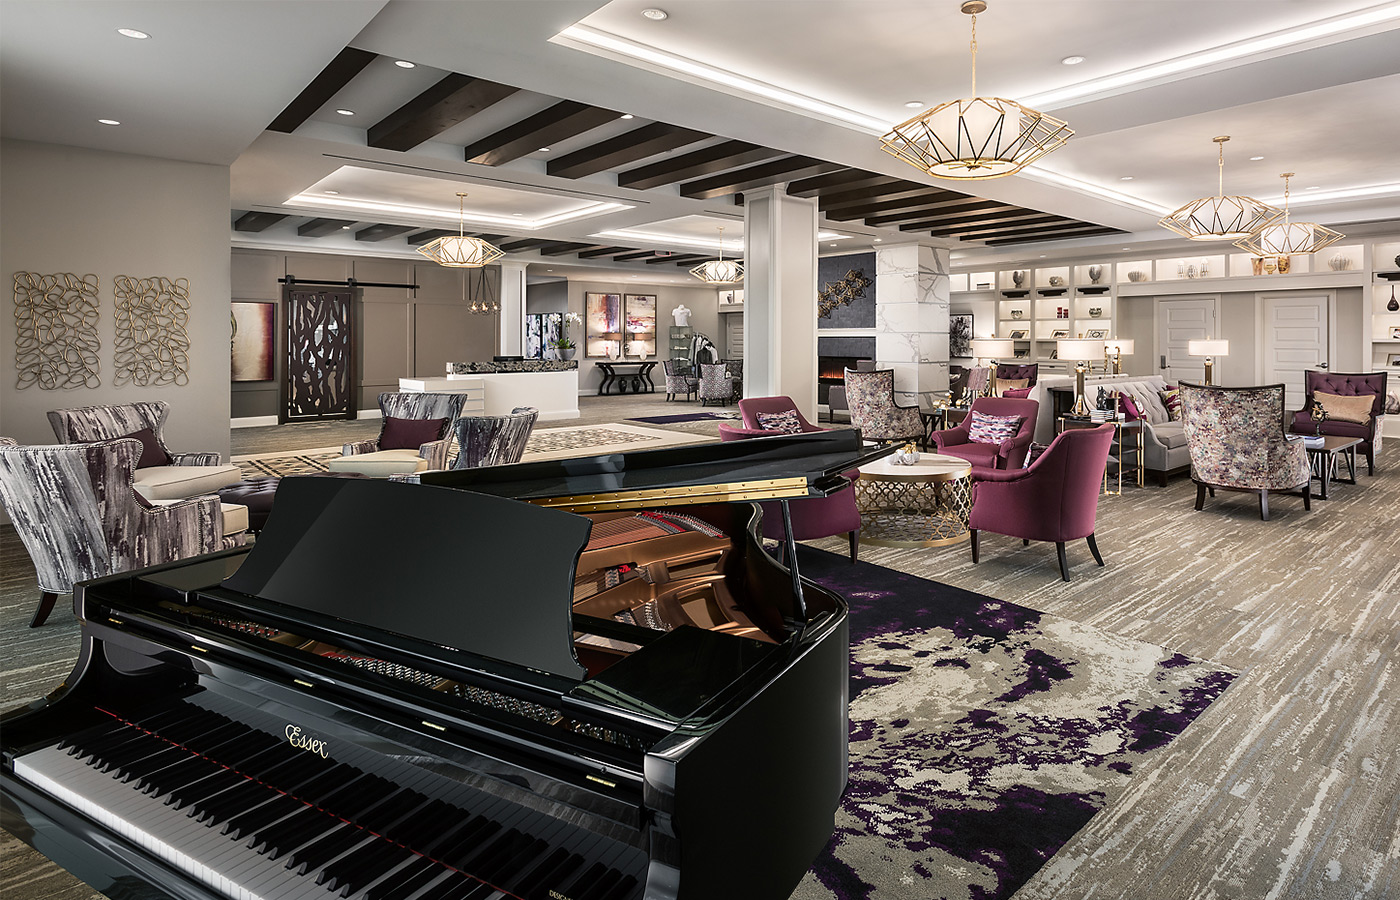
1295 339
1179 321
734 336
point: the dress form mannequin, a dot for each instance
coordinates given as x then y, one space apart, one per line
681 314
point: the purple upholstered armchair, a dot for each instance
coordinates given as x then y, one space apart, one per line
1055 499
1010 372
813 518
1008 453
1340 383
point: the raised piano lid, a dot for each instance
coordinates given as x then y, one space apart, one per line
769 468
455 569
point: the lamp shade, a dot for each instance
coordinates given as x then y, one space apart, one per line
1208 348
1081 349
1123 347
991 348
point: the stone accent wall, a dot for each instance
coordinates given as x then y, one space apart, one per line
911 318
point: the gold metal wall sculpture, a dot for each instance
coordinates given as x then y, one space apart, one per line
152 344
56 340
842 292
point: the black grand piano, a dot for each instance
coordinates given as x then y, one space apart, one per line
572 680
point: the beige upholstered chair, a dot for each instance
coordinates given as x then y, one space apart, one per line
160 474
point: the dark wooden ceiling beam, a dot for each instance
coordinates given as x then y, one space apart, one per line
958 228
318 228
836 182
602 251
524 244
450 102
969 206
336 75
431 234
679 259
639 143
257 221
564 248
894 202
635 254
788 168
695 262
696 164
1010 230
1087 231
382 232
561 121
865 196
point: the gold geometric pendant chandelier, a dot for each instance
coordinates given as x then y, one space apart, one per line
977 137
720 271
1287 238
1220 218
458 251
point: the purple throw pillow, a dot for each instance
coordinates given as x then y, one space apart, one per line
1018 393
1131 413
987 429
410 434
151 452
782 422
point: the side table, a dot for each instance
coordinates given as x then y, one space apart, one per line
1323 459
1126 450
923 505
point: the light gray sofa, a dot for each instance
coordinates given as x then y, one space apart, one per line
1164 442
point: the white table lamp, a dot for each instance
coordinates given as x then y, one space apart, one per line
1085 353
1208 349
1117 349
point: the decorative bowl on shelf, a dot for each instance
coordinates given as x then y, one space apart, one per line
1017 313
1339 263
1056 281
1135 275
1095 312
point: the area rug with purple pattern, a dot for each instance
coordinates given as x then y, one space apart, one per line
983 734
687 417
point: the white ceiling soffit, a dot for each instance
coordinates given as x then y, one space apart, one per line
220 69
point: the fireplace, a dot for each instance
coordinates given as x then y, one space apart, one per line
837 354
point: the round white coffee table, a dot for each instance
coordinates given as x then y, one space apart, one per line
923 505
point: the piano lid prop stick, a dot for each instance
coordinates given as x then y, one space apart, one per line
799 602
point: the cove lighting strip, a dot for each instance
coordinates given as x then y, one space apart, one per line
515 223
1302 198
616 46
699 243
1036 173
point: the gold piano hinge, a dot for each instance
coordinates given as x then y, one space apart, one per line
303 683
436 726
602 781
769 489
115 621
198 649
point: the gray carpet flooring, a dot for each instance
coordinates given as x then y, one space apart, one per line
1287 787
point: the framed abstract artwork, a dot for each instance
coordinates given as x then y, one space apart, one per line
253 341
602 325
640 325
960 335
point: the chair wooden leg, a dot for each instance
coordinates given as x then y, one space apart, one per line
46 602
1307 496
1064 564
1264 505
854 537
976 556
1200 496
1370 460
1212 492
1025 542
1094 549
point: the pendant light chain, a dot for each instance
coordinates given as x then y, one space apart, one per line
974 54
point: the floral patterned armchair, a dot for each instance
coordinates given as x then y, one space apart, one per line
715 384
1237 443
679 379
874 412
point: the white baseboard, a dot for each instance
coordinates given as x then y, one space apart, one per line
252 422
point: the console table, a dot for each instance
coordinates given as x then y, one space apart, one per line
636 381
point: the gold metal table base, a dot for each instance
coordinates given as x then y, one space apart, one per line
913 512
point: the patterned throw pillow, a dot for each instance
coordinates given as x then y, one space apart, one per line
1344 409
987 429
1171 399
781 422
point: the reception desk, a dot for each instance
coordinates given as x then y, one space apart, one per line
550 386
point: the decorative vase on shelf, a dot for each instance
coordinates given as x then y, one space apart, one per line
1018 278
566 353
1256 265
1137 276
1095 312
1095 273
1393 305
1339 263
1284 263
1397 262
1270 267
1056 281
1017 313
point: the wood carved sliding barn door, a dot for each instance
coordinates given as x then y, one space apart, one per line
319 379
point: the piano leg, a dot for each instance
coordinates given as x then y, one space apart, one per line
799 602
46 602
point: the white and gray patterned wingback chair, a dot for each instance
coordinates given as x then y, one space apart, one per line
75 510
160 474
494 440
411 414
715 384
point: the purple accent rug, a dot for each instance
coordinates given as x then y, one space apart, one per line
983 734
686 417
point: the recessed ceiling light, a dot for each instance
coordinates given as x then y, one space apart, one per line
404 64
1042 256
544 149
346 112
878 240
1315 187
1255 158
1126 178
1127 248
628 116
656 15
346 227
1072 60
332 192
108 122
914 104
132 33
517 214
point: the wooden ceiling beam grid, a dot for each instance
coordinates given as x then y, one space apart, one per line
639 143
777 171
257 221
944 229
431 234
524 244
942 211
382 232
561 121
602 251
336 75
680 259
1086 231
696 164
835 182
635 254
319 228
903 200
564 248
450 102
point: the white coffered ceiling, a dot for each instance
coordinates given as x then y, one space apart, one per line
1309 86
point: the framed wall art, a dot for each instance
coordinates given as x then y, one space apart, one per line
640 325
253 343
960 336
602 326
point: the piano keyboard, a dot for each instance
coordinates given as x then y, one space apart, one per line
256 819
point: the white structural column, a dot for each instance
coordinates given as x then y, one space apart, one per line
780 297
911 318
512 341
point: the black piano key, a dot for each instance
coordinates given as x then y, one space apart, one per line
413 878
243 795
249 824
462 887
158 760
586 878
506 873
624 889
424 825
359 869
489 834
324 849
384 817
487 855
186 795
601 887
537 875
